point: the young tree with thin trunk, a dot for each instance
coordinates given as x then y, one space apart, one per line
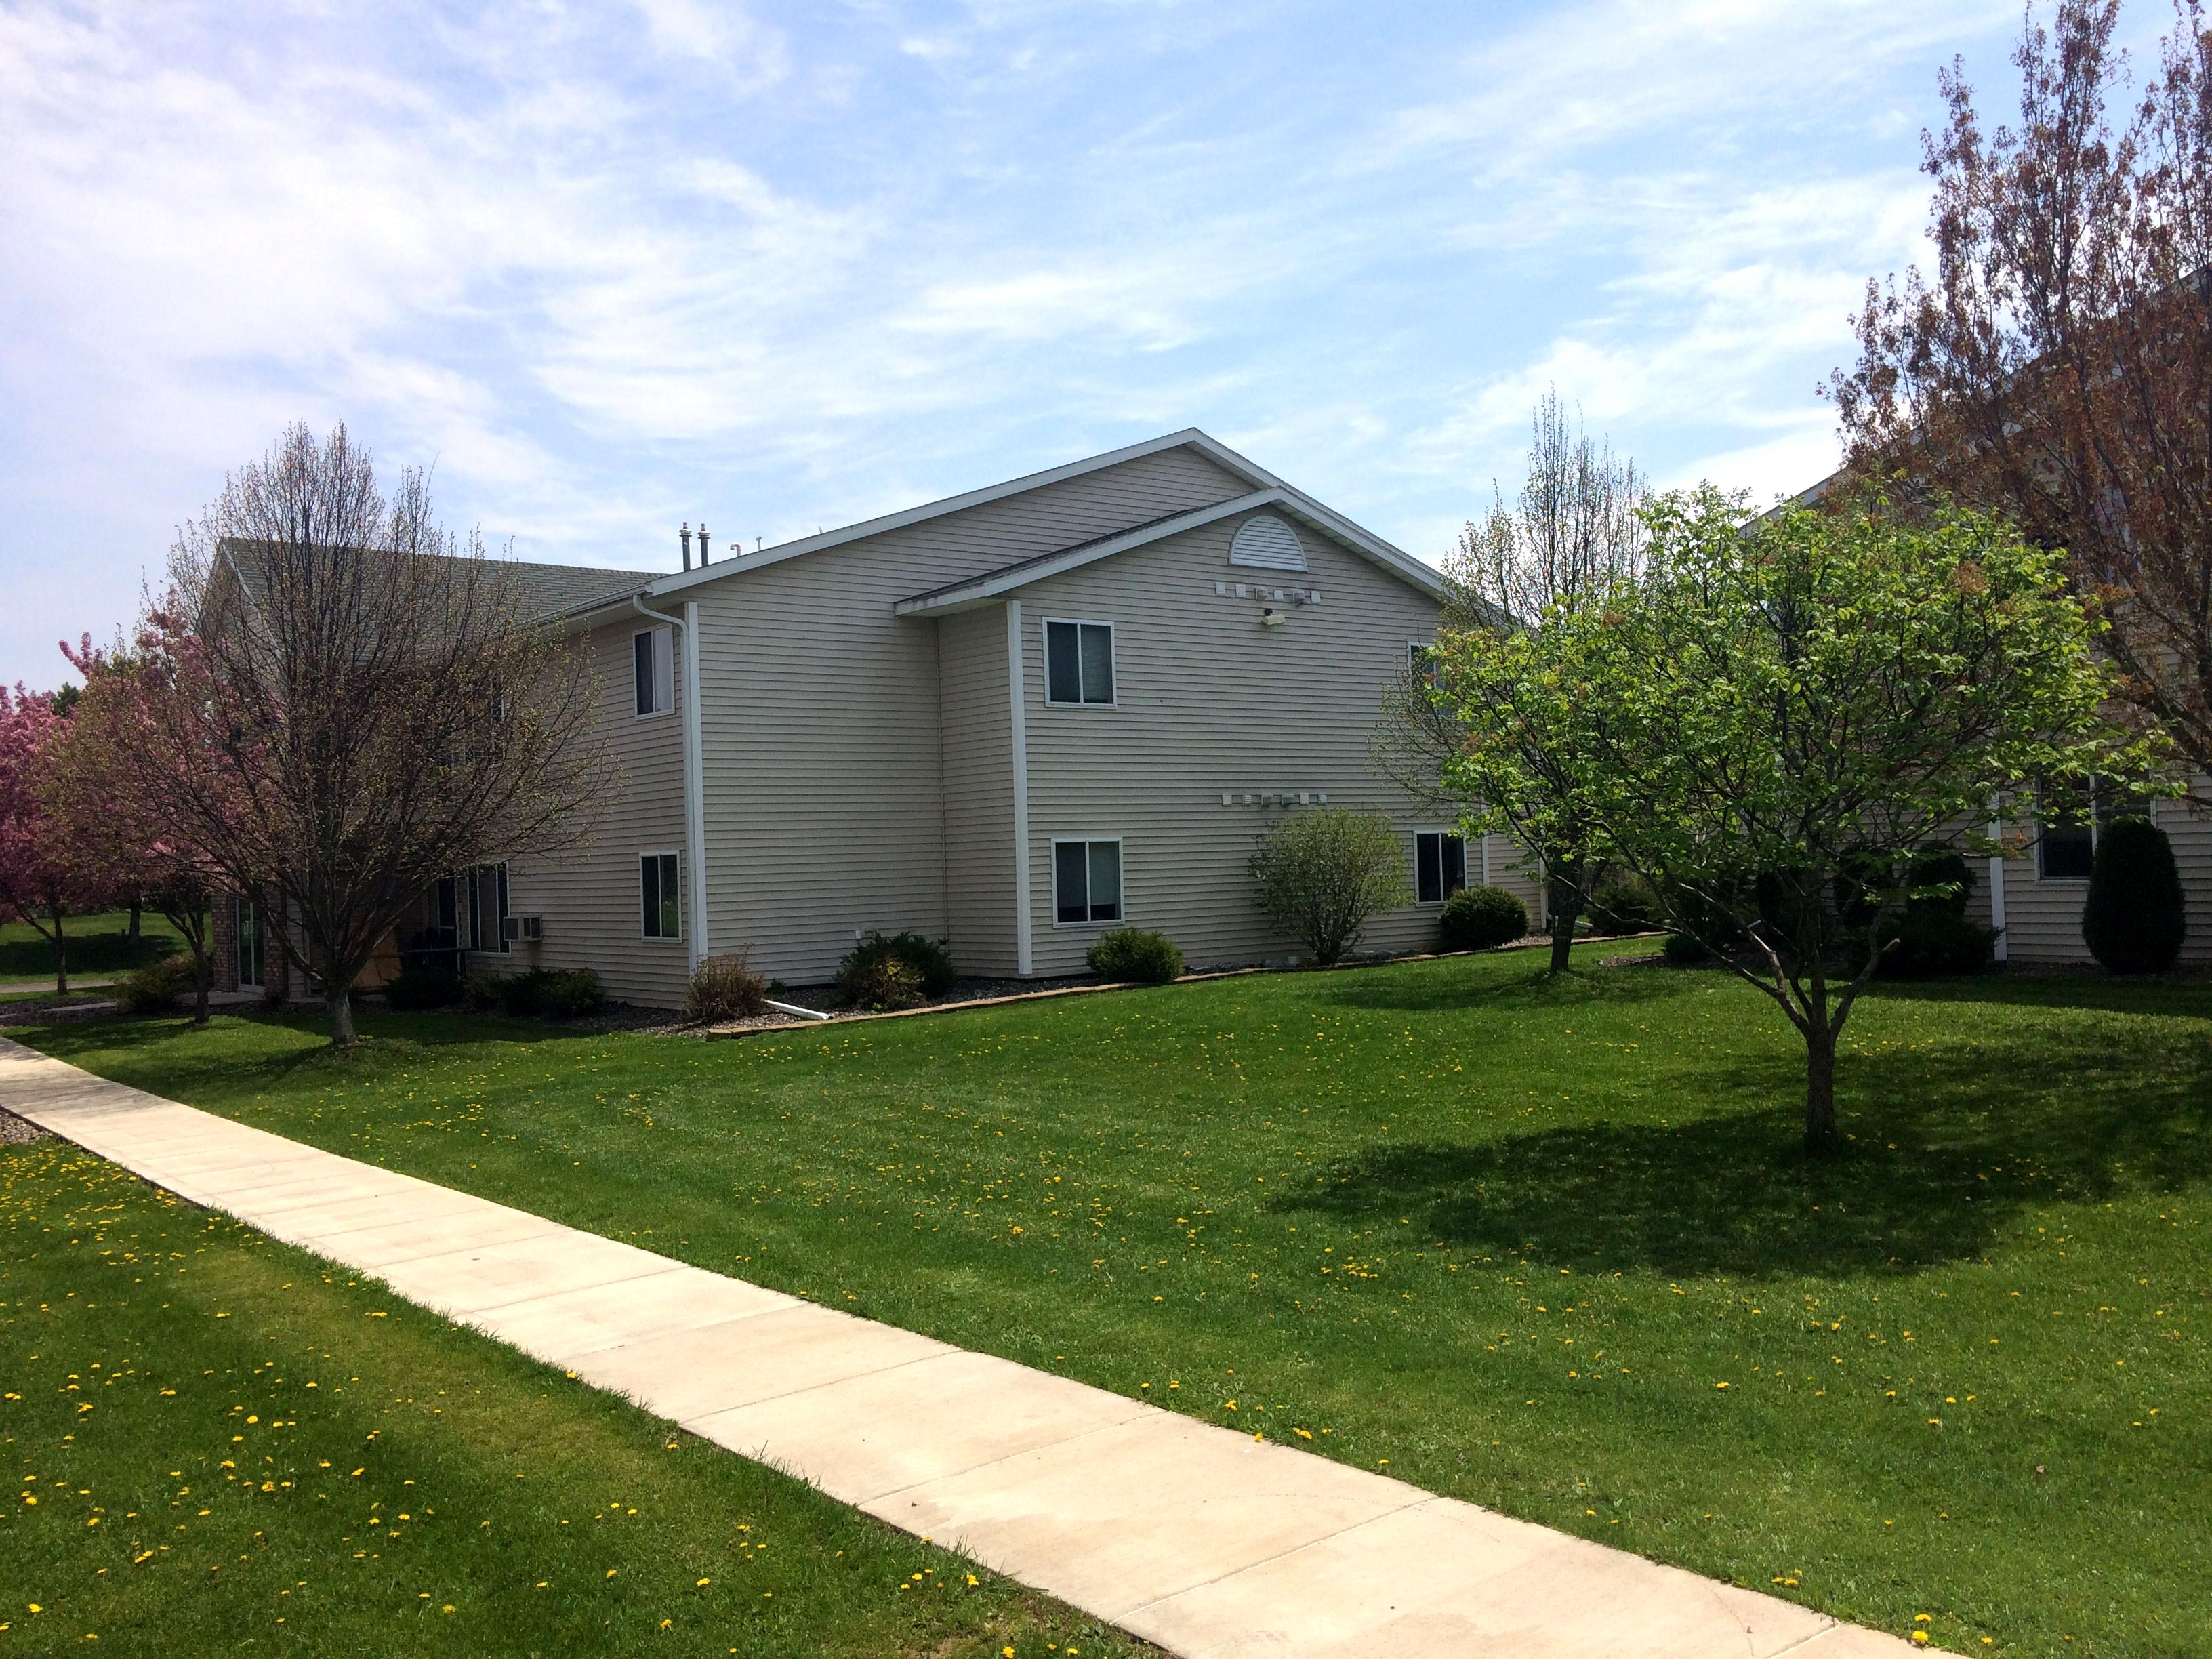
48 872
355 703
2056 367
1571 532
1780 715
98 788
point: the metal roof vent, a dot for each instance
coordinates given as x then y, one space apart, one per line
1268 542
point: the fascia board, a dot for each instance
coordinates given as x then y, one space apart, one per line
743 562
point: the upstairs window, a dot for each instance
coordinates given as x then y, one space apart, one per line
653 653
660 896
1078 663
1086 881
1421 663
1440 866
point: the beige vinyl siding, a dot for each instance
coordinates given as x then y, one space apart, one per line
976 709
1208 700
823 725
589 896
2043 919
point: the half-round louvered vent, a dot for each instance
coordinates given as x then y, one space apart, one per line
1269 542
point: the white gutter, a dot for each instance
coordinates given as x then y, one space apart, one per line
1996 877
695 806
1017 734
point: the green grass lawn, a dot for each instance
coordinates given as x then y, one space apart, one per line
97 944
1546 1245
213 1443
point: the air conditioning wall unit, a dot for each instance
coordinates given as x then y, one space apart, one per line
527 929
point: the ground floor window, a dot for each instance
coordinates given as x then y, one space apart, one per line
487 929
252 947
660 894
2066 833
1086 881
1440 866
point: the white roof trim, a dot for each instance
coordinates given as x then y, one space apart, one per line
982 590
1421 575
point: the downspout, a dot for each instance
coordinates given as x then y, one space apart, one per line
1996 877
695 806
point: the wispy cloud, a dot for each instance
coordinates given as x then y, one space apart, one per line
784 266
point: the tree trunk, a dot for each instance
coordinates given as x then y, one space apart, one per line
61 953
134 921
340 1001
203 973
1566 898
1820 1088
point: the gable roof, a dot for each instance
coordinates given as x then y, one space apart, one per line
1400 563
981 590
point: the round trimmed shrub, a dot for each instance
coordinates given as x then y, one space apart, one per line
1133 956
1685 951
1482 918
881 982
930 959
1623 902
156 987
2133 921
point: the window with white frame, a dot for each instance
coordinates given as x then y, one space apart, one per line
1421 662
1086 881
1079 662
660 896
1440 866
487 928
652 652
2066 831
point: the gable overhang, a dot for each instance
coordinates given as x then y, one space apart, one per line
977 591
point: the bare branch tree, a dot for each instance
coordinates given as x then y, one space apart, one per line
1572 532
355 703
2057 367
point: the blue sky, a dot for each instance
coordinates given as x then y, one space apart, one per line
610 267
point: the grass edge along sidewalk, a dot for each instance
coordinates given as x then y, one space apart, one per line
1185 1532
213 1439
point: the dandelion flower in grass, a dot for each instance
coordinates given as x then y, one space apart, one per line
704 1583
1920 1638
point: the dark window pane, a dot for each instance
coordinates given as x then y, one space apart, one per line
2067 851
1071 882
1105 881
1098 664
649 880
671 916
1454 862
1428 869
643 650
1063 671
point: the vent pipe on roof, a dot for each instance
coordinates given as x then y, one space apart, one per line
686 534
702 544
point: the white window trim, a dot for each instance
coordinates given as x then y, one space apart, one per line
1465 847
637 633
1122 862
1113 661
643 854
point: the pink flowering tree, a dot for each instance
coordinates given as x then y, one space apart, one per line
47 873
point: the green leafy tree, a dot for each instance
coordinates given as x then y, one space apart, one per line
1322 876
1783 706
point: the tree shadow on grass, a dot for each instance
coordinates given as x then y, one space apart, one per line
1450 985
1948 1152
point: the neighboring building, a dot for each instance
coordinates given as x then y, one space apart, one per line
1014 719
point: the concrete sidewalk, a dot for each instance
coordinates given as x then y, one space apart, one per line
1198 1538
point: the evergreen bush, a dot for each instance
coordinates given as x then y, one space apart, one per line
1135 956
157 987
1482 918
418 986
931 959
2133 921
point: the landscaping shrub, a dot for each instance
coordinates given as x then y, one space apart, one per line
1936 944
480 994
419 986
156 987
930 961
1482 918
2133 921
545 993
724 988
1135 956
1323 875
1684 952
880 983
1622 901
